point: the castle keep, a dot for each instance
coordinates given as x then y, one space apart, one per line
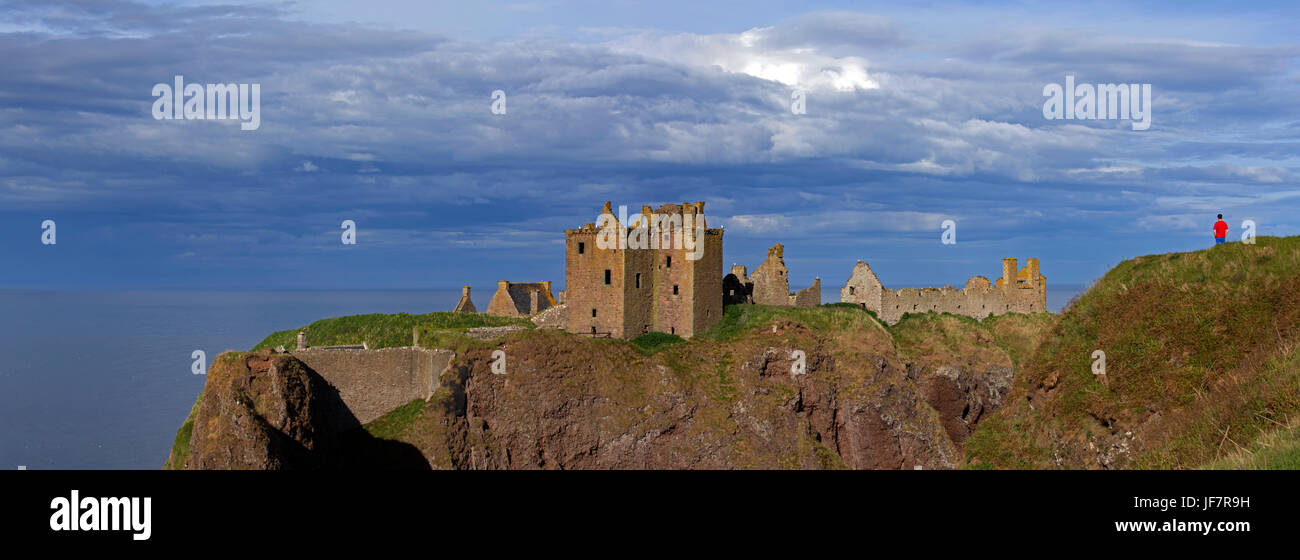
660 272
1022 290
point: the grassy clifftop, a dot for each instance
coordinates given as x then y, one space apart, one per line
870 396
1201 364
381 330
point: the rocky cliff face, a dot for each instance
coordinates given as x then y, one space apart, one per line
781 396
266 411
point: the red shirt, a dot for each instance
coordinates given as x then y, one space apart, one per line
1220 228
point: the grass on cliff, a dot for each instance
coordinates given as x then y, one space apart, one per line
737 320
1276 450
396 421
180 454
1204 341
652 343
381 330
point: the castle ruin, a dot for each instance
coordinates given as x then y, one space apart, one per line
465 305
770 284
519 299
1019 290
660 272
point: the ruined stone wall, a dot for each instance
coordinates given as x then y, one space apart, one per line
771 283
465 305
772 279
1018 291
374 382
863 288
808 297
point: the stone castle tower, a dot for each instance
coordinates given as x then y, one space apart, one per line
660 272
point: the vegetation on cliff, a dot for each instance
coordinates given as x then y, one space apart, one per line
1202 370
380 330
727 398
1201 361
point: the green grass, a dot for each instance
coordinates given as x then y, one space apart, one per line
391 425
381 330
1277 450
737 320
651 343
1200 337
181 445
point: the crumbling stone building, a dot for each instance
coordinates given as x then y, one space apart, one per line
770 284
1019 290
520 299
660 272
465 305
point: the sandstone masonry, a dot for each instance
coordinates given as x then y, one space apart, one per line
1022 290
625 291
770 284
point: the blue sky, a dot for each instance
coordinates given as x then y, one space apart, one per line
379 112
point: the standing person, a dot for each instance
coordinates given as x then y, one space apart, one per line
1220 231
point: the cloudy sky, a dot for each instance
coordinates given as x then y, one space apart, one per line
380 112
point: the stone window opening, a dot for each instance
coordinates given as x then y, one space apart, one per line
607 277
582 247
669 262
674 289
638 279
593 312
852 290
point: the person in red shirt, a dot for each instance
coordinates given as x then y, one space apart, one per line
1220 231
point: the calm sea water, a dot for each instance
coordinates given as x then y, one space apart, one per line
102 380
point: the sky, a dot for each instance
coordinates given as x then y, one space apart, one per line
381 112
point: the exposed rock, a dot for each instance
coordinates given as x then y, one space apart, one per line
553 318
568 402
489 333
269 411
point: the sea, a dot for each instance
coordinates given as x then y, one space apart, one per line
102 380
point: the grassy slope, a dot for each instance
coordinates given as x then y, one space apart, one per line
1201 360
181 445
383 331
1278 449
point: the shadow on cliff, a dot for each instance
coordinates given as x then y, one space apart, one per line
350 445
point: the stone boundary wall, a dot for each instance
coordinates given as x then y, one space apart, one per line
374 382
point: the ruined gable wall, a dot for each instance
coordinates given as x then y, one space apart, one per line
808 297
772 279
502 304
465 305
863 287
